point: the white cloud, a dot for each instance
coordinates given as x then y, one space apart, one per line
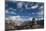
33 13
19 5
30 18
12 9
13 18
40 15
41 12
26 6
41 18
11 12
34 7
18 18
36 19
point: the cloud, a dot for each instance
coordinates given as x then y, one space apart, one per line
41 7
13 11
30 18
19 5
18 18
13 18
26 6
41 12
40 15
36 19
34 7
33 13
41 18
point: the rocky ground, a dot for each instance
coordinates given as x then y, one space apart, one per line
25 27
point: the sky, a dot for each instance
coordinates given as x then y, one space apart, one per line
24 11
